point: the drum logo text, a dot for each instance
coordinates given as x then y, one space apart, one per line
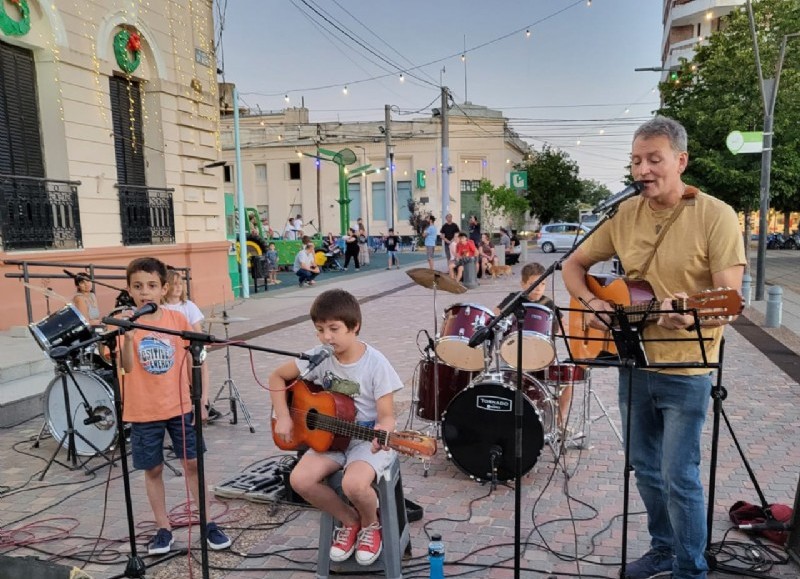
494 403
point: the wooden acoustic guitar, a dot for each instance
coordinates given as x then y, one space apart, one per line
326 421
637 297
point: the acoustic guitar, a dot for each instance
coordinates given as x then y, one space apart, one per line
636 296
326 421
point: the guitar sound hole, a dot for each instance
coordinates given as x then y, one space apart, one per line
311 419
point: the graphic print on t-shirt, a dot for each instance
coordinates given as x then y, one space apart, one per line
156 355
333 383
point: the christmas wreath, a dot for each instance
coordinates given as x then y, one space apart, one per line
13 27
128 50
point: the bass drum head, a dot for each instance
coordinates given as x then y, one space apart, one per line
100 397
480 421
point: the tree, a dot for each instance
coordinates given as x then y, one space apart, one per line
593 192
505 201
554 188
718 92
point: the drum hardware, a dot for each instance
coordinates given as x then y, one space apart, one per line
48 294
434 280
85 425
233 397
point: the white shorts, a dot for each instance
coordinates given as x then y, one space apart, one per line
360 450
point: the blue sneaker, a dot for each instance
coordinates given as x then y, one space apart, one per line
654 563
161 543
217 540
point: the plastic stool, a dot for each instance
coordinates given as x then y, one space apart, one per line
394 527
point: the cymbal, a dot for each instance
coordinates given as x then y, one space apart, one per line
225 320
430 277
46 291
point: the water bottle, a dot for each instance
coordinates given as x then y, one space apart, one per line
436 556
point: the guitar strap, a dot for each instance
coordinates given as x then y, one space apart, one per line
687 198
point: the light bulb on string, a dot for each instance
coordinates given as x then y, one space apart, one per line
286 98
588 2
527 33
344 90
402 78
463 57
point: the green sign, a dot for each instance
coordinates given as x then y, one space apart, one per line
519 179
421 177
745 142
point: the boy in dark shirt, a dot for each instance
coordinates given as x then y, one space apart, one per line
392 242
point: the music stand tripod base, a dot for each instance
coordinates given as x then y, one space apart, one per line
233 396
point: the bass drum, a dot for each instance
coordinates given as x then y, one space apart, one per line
478 426
100 397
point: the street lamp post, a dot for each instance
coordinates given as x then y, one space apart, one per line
769 93
391 187
364 191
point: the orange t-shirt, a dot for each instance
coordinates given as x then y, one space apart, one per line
158 386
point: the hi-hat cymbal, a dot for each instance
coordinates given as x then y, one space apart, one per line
46 291
431 278
225 320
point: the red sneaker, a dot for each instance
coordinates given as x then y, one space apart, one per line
344 542
370 544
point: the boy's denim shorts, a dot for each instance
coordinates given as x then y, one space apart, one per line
147 440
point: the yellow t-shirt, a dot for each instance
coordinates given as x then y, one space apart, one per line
703 240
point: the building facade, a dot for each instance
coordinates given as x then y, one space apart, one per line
284 175
110 112
687 23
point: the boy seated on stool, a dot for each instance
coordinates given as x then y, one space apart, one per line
360 371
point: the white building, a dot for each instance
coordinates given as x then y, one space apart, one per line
110 111
687 23
282 178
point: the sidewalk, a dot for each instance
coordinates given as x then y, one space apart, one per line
477 524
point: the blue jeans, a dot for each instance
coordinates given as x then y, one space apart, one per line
306 275
667 417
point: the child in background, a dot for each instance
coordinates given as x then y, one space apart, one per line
530 272
392 242
176 299
156 398
272 264
360 371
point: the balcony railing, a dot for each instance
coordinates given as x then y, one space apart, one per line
147 215
39 213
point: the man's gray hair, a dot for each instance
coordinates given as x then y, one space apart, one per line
664 127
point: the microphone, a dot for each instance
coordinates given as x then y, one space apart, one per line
316 359
148 308
631 190
766 526
93 418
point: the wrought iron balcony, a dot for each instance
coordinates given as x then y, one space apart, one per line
147 215
38 213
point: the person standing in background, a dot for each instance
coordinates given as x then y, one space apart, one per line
431 233
448 234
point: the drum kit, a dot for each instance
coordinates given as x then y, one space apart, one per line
79 408
468 394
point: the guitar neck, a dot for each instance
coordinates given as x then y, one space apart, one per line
350 429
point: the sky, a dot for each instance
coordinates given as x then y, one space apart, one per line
570 83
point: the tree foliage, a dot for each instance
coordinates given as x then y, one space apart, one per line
503 201
718 92
593 192
554 189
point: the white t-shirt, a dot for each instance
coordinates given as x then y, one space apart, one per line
303 258
372 373
188 309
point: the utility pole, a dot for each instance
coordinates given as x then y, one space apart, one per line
445 155
769 93
389 166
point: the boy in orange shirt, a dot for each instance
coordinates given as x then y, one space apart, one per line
156 398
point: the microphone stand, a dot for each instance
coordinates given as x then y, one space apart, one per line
197 341
515 307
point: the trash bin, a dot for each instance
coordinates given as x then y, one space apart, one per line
470 276
259 270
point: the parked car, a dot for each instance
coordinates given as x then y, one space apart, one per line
559 236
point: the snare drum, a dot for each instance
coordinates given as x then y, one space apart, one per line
62 328
538 350
451 382
461 321
100 397
478 426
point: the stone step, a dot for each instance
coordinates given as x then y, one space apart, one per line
21 357
22 399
